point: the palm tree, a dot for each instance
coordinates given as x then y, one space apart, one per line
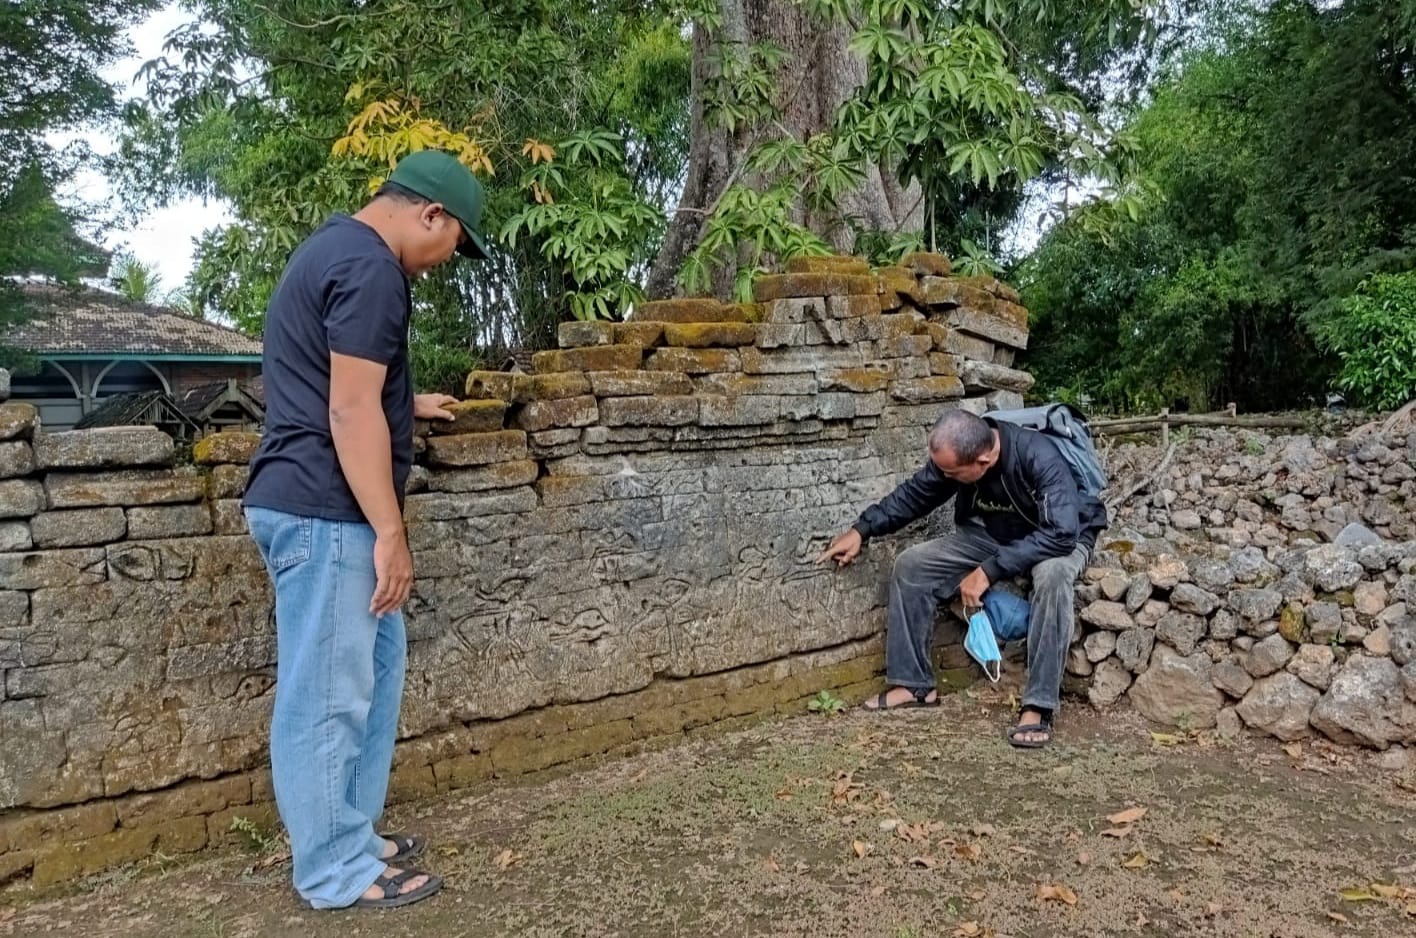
135 280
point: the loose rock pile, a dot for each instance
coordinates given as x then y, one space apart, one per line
1266 584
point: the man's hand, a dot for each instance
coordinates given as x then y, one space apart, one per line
393 565
843 549
431 406
973 587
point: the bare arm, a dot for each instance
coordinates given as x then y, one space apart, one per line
361 440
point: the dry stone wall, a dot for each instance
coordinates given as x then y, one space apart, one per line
614 549
1264 582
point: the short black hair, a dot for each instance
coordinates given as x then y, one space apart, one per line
968 436
398 193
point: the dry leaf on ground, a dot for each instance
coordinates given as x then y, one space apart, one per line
772 864
507 859
1129 816
977 895
1056 892
1083 858
1116 832
1337 917
1136 861
861 848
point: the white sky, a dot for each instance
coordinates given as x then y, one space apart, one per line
163 238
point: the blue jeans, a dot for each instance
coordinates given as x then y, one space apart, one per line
339 682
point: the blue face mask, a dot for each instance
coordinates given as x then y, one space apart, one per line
982 646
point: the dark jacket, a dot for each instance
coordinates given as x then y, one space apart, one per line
1052 515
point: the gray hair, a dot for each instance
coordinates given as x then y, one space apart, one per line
966 435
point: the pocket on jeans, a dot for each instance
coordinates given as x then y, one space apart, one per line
284 539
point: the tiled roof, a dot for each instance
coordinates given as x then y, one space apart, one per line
90 321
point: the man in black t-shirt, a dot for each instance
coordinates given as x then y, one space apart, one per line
1017 509
324 503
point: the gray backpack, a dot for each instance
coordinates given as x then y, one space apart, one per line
1068 428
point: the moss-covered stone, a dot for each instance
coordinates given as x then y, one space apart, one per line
599 358
942 363
787 286
234 448
693 361
860 380
565 412
648 411
489 385
927 263
519 755
897 279
828 264
709 334
751 312
477 449
642 334
481 416
638 383
948 292
686 309
462 771
993 285
1292 624
549 387
927 390
17 419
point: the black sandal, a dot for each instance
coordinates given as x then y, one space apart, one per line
392 897
920 700
1041 726
409 848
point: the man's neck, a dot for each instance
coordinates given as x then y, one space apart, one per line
378 216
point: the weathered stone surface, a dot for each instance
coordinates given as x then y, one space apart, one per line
857 380
1366 705
1292 624
443 506
1312 664
1369 598
78 528
1180 631
1403 638
162 521
1099 646
852 307
1324 621
986 325
1268 656
735 385
1187 597
979 376
228 517
927 263
597 358
796 360
1279 705
580 334
489 385
21 498
927 390
1378 641
53 568
696 361
1232 679
504 475
476 416
782 286
1133 649
1212 575
1228 725
643 334
710 334
477 449
1256 605
229 447
1108 615
15 535
17 419
227 481
1114 586
1138 591
1355 536
742 411
830 264
16 459
1109 681
566 412
648 411
1177 690
104 447
133 487
1166 572
689 309
1332 568
639 383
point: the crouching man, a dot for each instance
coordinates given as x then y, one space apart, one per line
1017 508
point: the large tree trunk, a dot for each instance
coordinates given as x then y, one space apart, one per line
818 75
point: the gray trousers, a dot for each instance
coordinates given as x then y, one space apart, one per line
927 574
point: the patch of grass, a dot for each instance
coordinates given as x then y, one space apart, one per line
827 703
257 839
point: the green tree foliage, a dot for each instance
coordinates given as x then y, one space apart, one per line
51 54
571 112
1274 165
1374 336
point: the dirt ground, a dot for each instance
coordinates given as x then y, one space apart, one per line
902 825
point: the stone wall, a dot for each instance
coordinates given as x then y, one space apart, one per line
1263 582
616 549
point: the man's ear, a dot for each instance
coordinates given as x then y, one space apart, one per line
431 212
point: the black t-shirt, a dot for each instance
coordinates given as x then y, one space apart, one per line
343 291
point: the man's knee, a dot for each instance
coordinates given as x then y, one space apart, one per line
910 565
1055 574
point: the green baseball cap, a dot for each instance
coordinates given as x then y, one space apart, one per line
438 177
